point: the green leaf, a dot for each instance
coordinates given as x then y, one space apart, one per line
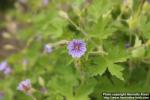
102 29
116 70
117 54
140 50
55 29
83 91
62 83
99 7
144 24
52 26
98 66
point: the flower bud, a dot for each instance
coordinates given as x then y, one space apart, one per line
63 14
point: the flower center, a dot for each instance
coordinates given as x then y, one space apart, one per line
26 88
76 47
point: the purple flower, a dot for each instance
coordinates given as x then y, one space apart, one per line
47 48
7 71
45 2
2 94
4 67
76 48
24 85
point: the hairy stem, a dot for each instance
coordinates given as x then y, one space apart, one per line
82 31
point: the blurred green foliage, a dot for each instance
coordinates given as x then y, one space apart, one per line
108 65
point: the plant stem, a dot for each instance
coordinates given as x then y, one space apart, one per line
33 98
78 67
82 31
77 64
98 52
148 78
77 27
